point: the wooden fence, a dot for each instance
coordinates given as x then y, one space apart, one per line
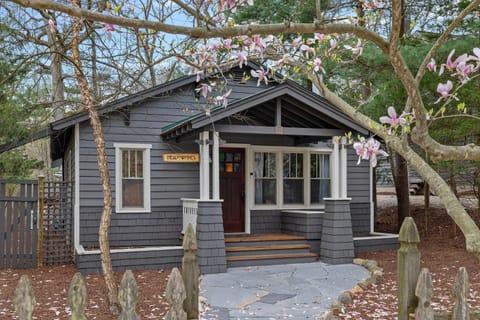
415 287
181 293
36 223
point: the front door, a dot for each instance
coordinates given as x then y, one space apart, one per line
232 188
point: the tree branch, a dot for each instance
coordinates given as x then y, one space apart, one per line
423 66
207 32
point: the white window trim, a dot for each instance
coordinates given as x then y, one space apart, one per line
118 177
279 151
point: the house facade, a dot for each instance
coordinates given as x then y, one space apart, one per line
272 162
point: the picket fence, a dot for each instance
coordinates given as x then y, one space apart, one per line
181 293
415 288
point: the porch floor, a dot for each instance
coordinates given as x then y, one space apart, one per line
267 249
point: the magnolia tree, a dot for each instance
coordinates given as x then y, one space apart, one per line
210 41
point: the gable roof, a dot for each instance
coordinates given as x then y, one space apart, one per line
198 120
287 88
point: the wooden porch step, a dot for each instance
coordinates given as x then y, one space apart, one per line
262 237
273 256
267 248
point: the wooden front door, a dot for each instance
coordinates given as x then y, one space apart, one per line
232 188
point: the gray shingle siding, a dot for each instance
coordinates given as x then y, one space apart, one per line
154 259
265 221
161 227
358 188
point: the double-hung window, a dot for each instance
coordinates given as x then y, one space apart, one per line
265 178
132 171
319 177
293 180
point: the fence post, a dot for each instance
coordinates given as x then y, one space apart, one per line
190 272
24 299
77 297
460 309
424 292
128 296
175 295
408 258
41 190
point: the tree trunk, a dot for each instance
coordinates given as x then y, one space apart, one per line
402 188
56 71
102 167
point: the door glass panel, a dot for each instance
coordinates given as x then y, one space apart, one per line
230 162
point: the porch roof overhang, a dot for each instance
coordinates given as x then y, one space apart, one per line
289 91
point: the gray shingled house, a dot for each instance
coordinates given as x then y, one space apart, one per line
263 180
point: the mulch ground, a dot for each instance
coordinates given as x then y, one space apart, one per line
443 252
442 248
51 284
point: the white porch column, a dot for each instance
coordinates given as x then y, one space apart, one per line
204 166
215 167
343 168
335 159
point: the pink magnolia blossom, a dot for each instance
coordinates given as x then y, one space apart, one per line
227 44
242 59
261 75
205 88
200 74
285 59
223 99
463 70
357 49
452 65
368 149
476 56
333 44
53 27
296 42
258 45
432 66
374 5
319 36
317 65
393 120
109 28
307 49
444 90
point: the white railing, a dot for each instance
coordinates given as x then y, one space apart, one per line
190 210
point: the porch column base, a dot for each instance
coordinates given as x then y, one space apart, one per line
210 237
337 237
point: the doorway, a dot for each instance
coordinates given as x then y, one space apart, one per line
232 188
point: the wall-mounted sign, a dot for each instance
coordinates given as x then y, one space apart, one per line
181 157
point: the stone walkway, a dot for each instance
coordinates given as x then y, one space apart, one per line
294 291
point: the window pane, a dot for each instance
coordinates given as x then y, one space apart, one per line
124 163
265 165
314 165
265 191
326 166
299 165
139 164
292 191
132 193
133 162
320 188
